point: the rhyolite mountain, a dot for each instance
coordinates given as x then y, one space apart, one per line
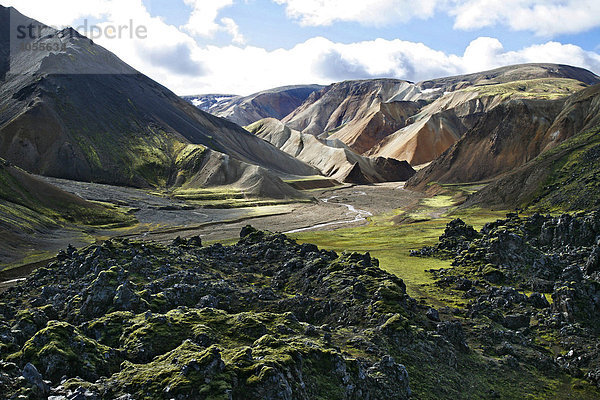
566 176
83 114
359 113
245 110
418 122
332 157
443 122
510 135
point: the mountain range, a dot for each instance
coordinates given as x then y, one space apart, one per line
135 132
83 114
466 128
417 122
244 110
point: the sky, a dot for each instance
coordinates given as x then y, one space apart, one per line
244 46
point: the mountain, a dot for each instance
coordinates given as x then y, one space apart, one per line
244 110
30 207
508 74
207 101
332 157
563 177
347 109
418 122
511 134
81 113
443 122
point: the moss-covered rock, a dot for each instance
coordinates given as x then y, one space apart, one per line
60 349
267 318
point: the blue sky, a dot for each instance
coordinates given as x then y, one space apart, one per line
242 46
262 23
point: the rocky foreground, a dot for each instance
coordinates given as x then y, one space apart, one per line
263 319
554 259
268 318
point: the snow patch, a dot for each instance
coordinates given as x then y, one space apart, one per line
427 91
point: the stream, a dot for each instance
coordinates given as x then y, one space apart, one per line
359 216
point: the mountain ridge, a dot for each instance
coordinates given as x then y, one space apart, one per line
332 157
245 110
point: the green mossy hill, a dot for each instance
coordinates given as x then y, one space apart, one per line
564 178
22 190
33 211
532 286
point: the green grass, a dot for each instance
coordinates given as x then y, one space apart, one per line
226 197
208 194
306 179
438 201
392 244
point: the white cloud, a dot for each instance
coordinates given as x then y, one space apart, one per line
60 13
174 58
164 52
238 70
375 12
203 20
486 53
482 54
234 30
554 52
543 17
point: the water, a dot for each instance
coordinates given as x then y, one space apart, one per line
359 216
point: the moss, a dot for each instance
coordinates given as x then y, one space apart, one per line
188 371
493 274
146 338
158 302
541 88
397 323
60 349
108 329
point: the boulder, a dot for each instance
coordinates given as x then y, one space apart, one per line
33 376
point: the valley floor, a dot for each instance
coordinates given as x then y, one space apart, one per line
384 219
162 218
